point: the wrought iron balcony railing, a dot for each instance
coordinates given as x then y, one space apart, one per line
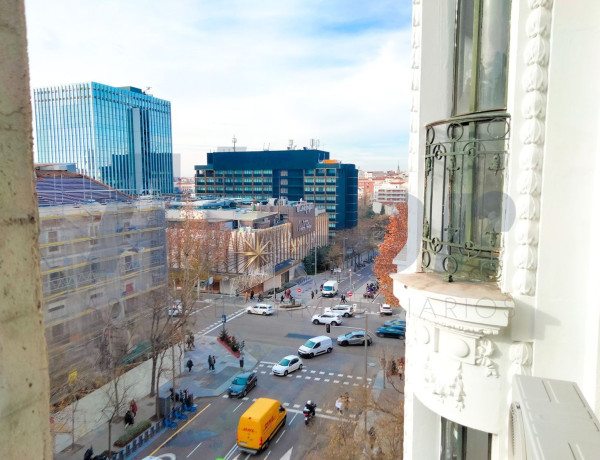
465 160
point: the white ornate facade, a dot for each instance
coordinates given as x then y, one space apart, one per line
522 298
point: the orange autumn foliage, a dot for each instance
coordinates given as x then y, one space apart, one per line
393 242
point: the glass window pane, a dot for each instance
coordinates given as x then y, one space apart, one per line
464 57
491 91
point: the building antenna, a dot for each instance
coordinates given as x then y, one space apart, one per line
234 140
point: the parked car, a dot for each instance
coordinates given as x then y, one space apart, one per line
261 309
327 318
396 322
288 364
385 309
176 309
316 346
391 331
354 338
341 310
242 384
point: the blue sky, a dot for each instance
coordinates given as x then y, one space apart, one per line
267 71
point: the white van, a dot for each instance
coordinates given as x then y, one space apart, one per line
316 346
330 289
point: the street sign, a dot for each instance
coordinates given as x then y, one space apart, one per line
349 294
299 290
224 318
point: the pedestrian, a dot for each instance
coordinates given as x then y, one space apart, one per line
172 394
214 360
133 407
252 294
129 418
189 365
246 296
321 287
312 294
210 363
339 404
281 298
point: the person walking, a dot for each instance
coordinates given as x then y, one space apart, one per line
312 294
210 363
189 365
214 361
133 407
129 419
339 404
252 294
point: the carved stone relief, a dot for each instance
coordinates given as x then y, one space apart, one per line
485 349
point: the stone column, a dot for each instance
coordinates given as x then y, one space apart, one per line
24 388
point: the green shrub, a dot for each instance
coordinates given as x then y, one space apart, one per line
223 335
132 432
234 345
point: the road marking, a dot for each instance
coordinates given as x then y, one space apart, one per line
358 378
295 415
286 404
355 384
254 400
349 376
307 377
325 416
346 383
304 370
296 406
280 436
321 373
326 380
340 375
331 373
238 406
263 372
268 363
267 456
298 376
329 411
317 379
318 409
336 381
174 434
194 450
312 372
231 451
225 396
246 398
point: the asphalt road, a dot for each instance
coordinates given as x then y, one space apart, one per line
210 433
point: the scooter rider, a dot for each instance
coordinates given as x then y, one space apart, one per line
311 407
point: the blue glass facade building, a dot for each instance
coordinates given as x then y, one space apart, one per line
307 175
119 136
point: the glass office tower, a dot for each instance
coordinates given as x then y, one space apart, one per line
119 136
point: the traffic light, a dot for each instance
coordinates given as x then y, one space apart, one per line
328 328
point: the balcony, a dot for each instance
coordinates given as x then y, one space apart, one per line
465 159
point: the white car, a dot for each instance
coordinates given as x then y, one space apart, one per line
260 309
176 309
341 310
288 364
327 318
385 309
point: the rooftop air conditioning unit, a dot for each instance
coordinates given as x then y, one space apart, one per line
550 419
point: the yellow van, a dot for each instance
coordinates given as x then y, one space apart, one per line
259 424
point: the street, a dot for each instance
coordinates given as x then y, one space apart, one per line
210 432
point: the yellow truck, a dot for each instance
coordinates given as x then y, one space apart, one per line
259 424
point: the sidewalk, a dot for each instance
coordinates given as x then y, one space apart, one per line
200 382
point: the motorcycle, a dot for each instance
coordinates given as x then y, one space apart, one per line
308 414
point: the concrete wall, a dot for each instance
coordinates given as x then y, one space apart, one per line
24 424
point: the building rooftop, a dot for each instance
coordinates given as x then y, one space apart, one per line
61 188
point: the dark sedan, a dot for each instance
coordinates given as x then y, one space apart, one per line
391 331
242 384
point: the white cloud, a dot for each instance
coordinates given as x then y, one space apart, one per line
265 71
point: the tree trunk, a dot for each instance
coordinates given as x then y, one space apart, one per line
153 382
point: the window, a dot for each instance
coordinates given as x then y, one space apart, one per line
462 443
481 56
283 173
